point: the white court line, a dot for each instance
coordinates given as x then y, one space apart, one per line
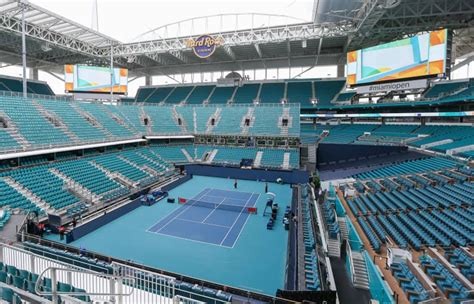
233 224
175 217
213 211
200 195
246 220
189 240
233 190
197 222
203 242
228 197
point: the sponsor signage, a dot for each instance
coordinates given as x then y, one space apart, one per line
204 46
394 86
95 79
414 57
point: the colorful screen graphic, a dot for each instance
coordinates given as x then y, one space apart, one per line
418 56
82 78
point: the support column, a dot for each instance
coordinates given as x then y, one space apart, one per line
23 51
148 80
33 73
341 69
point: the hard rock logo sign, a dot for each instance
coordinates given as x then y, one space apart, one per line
204 46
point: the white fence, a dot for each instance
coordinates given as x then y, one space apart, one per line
127 285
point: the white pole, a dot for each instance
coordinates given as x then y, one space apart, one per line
23 50
111 72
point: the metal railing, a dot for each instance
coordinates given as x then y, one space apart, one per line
159 288
249 295
212 105
110 139
183 300
98 284
35 147
35 96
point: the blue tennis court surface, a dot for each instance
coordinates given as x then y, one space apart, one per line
219 226
256 260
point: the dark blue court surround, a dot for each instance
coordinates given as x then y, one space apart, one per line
213 226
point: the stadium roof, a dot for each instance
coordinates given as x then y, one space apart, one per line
53 41
378 21
51 37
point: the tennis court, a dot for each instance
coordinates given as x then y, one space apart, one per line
256 261
213 216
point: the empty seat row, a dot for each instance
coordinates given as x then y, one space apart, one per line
410 284
445 280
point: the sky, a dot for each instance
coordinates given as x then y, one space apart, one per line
125 20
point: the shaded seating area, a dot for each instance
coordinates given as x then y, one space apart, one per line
445 280
460 258
14 84
409 283
311 264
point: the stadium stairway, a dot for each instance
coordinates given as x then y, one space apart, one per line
56 120
115 114
250 118
213 120
75 122
258 159
111 126
186 154
9 230
286 161
361 276
144 117
16 140
75 187
179 119
115 175
343 228
284 127
41 124
29 195
132 124
211 156
92 120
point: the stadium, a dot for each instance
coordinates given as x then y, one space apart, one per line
260 157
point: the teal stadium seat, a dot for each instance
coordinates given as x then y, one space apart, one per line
179 94
272 92
246 93
221 95
157 95
300 92
200 93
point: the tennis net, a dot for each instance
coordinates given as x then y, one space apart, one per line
228 207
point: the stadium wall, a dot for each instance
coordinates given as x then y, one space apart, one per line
100 221
176 183
289 177
334 153
106 218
